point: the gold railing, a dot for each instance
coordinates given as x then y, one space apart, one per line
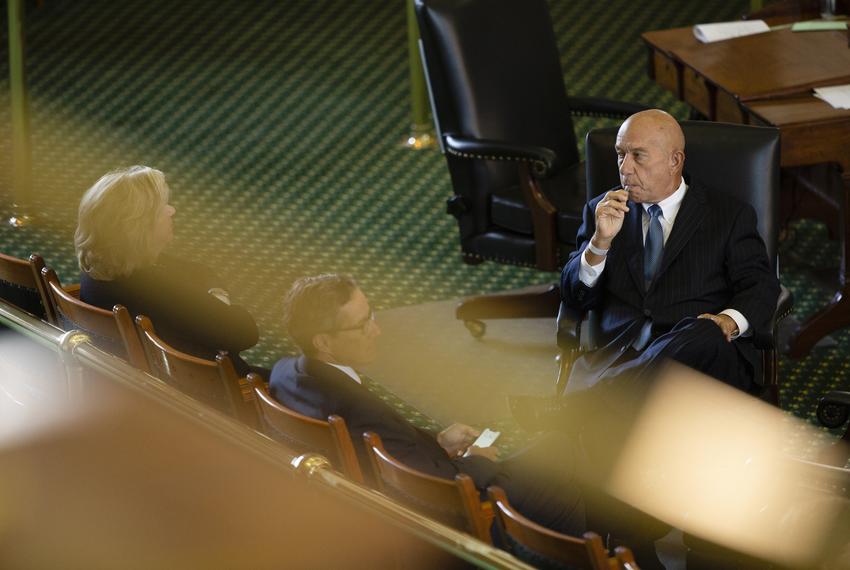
78 354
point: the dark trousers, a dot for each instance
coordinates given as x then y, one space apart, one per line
602 416
541 482
697 343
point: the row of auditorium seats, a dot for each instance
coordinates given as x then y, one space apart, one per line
456 503
30 285
35 288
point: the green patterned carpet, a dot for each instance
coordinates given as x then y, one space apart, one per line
278 124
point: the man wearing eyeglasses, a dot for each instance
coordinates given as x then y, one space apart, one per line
330 319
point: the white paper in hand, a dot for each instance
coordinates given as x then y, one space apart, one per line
486 439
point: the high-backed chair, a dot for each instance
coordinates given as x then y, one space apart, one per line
111 331
329 438
455 503
739 159
545 548
21 285
504 124
214 382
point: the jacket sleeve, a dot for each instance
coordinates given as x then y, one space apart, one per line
365 412
574 293
755 287
182 304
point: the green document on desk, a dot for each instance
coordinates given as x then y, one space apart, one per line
818 26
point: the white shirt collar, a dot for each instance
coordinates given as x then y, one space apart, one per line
348 371
670 205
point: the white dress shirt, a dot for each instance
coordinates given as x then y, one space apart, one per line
589 274
349 371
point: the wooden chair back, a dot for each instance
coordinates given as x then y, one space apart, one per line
214 382
329 438
455 503
21 285
539 545
625 559
112 331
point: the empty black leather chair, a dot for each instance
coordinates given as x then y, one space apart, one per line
504 124
740 159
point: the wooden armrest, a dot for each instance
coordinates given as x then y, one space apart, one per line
73 289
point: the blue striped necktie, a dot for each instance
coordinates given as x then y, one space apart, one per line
652 252
654 246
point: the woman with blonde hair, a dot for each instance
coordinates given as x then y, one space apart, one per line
124 224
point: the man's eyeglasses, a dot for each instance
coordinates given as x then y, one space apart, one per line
361 326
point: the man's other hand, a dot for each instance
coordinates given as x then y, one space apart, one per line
456 438
726 323
610 213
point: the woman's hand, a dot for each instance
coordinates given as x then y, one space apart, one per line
220 294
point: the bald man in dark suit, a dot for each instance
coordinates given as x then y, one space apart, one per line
672 269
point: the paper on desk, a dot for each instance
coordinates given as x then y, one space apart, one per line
707 33
818 26
838 95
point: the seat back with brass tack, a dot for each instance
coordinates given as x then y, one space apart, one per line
214 382
21 284
329 438
456 503
112 331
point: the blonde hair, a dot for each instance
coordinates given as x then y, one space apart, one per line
116 219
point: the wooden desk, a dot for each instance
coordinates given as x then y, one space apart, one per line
766 79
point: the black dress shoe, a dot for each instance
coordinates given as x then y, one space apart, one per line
537 413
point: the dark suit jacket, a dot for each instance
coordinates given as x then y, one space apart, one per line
173 294
316 389
714 259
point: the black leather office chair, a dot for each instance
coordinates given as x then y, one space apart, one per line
504 124
731 158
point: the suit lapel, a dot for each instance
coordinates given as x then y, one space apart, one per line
687 221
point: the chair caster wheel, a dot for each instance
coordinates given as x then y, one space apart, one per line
475 328
832 414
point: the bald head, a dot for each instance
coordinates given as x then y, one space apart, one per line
660 127
651 154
